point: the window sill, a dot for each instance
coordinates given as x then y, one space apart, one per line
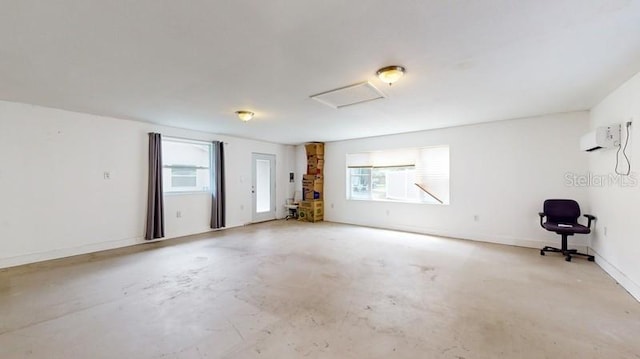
394 201
188 193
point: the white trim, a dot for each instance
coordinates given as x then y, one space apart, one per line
67 252
176 193
625 282
396 201
187 140
87 249
257 217
579 244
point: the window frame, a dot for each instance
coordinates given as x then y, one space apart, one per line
371 189
192 175
209 146
424 193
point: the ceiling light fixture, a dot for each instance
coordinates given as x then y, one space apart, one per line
244 115
390 74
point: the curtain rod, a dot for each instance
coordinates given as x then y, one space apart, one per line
189 139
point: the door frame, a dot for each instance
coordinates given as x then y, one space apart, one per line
270 215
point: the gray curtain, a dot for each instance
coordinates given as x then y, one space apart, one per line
155 205
218 200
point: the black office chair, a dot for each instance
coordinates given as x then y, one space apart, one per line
562 218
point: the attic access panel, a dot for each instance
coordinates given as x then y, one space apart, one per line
349 95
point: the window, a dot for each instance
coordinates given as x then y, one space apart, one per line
186 165
360 183
184 177
417 175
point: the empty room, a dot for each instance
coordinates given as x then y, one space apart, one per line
319 179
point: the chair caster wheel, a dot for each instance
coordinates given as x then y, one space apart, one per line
541 253
568 259
591 259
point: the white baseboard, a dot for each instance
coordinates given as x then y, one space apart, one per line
580 243
89 248
67 252
627 283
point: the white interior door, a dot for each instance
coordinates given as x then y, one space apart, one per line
263 187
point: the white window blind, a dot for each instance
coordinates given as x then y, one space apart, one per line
432 171
387 158
409 174
186 165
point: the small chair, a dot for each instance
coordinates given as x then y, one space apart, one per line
562 218
292 211
292 205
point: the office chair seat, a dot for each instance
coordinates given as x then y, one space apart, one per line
562 218
561 228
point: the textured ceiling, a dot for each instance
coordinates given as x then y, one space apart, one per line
191 64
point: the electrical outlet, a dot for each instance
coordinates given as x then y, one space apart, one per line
178 214
476 218
331 205
106 175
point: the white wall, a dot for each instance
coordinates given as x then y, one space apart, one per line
54 201
500 171
617 207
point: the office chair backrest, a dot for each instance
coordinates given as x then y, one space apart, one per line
562 210
297 196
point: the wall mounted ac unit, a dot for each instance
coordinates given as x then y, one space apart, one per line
601 137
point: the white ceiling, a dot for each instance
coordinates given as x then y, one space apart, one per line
191 64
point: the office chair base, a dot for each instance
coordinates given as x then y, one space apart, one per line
567 253
565 250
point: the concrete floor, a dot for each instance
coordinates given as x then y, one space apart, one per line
291 289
